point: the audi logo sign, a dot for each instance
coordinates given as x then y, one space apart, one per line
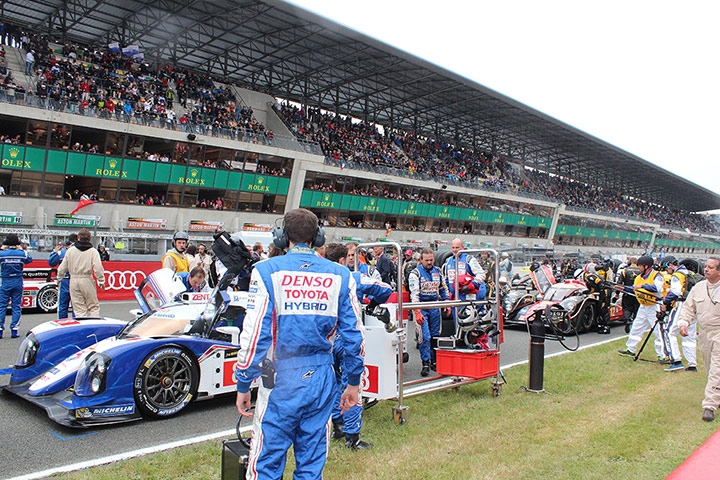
124 279
121 278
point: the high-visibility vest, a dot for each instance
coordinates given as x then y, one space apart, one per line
182 262
646 297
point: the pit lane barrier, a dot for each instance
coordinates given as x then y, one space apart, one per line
383 377
702 463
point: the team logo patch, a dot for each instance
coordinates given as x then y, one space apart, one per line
308 374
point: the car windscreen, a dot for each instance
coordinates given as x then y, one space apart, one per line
160 324
559 292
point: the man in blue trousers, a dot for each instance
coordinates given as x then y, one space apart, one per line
348 424
296 305
12 261
56 258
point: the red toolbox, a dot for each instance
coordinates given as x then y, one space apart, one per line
468 363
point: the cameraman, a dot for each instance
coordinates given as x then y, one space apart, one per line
296 304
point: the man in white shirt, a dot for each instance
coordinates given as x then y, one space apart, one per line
29 61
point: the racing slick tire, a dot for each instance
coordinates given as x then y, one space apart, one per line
166 382
585 318
441 258
48 298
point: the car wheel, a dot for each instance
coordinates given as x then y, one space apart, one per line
585 318
47 298
166 382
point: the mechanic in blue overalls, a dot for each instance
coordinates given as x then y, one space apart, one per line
194 280
427 285
347 425
54 261
12 262
296 305
471 275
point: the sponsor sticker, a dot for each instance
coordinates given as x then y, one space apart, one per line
115 410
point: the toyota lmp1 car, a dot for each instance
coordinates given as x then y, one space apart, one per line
94 371
582 306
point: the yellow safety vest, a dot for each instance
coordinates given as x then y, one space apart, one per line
644 296
182 263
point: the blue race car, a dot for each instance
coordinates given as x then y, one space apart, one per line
96 371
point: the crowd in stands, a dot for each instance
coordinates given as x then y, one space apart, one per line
345 141
109 84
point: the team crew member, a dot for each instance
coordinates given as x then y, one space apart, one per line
348 424
648 287
595 282
175 258
204 258
703 302
363 267
384 265
626 277
673 302
83 261
471 274
12 262
427 285
297 303
194 280
55 260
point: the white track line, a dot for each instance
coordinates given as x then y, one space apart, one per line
212 436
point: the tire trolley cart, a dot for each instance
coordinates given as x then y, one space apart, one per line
470 355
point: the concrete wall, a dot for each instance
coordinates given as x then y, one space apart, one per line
264 114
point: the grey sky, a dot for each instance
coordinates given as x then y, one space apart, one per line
642 75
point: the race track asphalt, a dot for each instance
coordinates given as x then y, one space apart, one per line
33 443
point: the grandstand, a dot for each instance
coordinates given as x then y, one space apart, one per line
233 112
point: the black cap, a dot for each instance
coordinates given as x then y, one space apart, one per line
646 260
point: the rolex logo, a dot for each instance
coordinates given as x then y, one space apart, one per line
194 172
327 197
412 206
260 180
112 163
372 201
14 152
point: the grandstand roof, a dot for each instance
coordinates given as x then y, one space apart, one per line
292 53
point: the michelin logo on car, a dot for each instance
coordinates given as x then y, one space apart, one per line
90 412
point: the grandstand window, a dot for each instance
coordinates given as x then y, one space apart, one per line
12 129
37 133
279 204
173 194
230 200
115 143
6 180
108 190
197 154
77 185
60 136
135 146
31 184
87 140
54 185
129 191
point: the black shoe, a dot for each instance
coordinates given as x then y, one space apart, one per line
425 371
691 368
337 433
353 442
433 366
626 353
708 415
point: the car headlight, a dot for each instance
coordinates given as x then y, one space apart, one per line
90 379
27 353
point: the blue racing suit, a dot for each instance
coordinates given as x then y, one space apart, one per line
470 266
64 294
378 292
296 304
428 286
185 277
12 262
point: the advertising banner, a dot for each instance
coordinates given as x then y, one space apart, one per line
121 278
257 227
14 218
147 223
206 226
65 220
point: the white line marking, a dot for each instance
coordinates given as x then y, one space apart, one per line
131 454
212 436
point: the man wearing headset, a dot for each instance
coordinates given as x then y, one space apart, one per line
296 304
175 258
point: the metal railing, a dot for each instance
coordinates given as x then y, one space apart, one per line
138 117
